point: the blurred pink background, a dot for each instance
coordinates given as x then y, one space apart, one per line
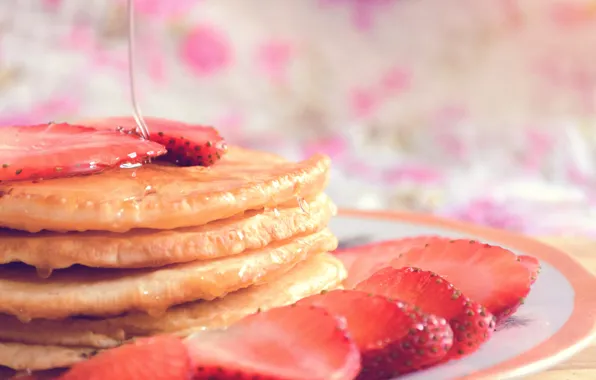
479 110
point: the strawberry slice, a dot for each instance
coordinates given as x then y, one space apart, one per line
392 337
195 145
58 150
485 273
187 144
532 264
362 261
471 323
159 358
292 342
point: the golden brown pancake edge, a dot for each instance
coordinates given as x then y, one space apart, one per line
318 273
153 248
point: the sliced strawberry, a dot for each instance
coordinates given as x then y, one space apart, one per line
485 273
361 262
187 144
159 358
471 323
292 342
393 338
532 264
58 150
192 145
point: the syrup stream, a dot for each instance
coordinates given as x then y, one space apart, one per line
136 111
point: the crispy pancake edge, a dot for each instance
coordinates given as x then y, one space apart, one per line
328 275
154 248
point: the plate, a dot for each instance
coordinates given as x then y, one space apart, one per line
557 320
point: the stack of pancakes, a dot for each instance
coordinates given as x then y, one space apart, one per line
90 262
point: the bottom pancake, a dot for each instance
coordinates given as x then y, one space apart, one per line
43 344
20 356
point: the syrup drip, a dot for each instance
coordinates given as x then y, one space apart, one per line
304 206
156 312
136 111
149 190
44 272
23 318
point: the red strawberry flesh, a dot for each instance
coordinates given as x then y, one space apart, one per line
187 144
393 339
59 150
157 358
362 261
485 273
195 146
293 342
532 264
471 323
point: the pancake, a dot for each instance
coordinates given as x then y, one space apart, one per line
98 292
318 273
160 196
51 374
33 357
153 248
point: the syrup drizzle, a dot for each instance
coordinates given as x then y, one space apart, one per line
304 206
136 111
44 272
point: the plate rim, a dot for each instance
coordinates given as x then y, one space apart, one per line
577 332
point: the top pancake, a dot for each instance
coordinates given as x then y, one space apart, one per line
161 196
